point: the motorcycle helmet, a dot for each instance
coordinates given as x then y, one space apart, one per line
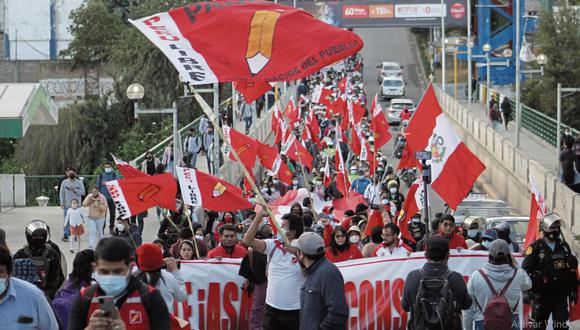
392 184
503 230
550 226
36 233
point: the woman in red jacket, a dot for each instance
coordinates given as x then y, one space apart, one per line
340 248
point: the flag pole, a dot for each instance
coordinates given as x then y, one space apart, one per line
209 113
305 181
194 239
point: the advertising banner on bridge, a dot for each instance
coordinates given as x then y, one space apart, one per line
373 289
389 13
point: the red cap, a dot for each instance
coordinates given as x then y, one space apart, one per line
149 257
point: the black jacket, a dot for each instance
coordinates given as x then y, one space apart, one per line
435 269
322 300
153 303
54 276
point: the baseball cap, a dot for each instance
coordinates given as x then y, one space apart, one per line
437 248
499 247
489 234
309 243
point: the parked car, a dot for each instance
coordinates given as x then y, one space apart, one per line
481 205
388 69
518 227
392 87
396 107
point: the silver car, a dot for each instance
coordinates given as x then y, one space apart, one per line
396 107
388 69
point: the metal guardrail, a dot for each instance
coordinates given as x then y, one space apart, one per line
48 185
535 122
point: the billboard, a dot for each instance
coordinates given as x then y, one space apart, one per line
389 13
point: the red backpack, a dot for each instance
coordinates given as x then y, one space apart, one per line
497 314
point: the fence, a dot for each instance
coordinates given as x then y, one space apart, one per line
533 121
48 185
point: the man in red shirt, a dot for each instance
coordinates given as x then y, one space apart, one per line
447 231
228 247
405 115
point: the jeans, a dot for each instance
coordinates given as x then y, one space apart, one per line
112 211
478 325
276 319
95 231
66 230
193 160
248 121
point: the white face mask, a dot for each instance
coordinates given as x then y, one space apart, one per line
472 233
199 237
392 190
120 227
108 170
276 181
294 182
385 201
354 239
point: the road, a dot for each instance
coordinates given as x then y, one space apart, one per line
398 45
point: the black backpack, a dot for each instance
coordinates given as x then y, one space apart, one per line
434 306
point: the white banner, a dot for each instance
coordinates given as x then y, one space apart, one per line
189 187
373 289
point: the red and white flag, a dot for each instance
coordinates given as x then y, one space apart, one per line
245 146
296 151
454 168
127 171
138 194
292 112
327 179
355 141
253 90
321 95
379 124
408 159
412 205
342 183
270 159
210 192
537 211
218 41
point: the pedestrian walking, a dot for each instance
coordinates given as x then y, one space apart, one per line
247 115
506 111
76 220
495 290
192 146
322 300
22 304
576 150
207 145
97 205
150 163
168 158
71 188
136 305
494 114
435 287
108 174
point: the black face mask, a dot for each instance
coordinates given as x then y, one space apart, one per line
553 235
71 176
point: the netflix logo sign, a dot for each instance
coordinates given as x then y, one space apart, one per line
355 11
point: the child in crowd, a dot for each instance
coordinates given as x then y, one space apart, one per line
76 220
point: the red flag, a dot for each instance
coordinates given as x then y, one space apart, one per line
212 193
292 113
282 132
313 127
276 115
349 203
537 210
408 210
408 159
358 112
454 168
375 220
379 124
338 107
270 159
295 150
138 194
127 171
355 143
342 183
342 85
327 179
245 146
252 90
209 42
321 95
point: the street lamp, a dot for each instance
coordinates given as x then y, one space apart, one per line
486 49
135 93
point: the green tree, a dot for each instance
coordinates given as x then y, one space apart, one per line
559 39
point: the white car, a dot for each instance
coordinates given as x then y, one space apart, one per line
388 69
396 108
392 87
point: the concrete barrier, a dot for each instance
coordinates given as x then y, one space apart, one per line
575 221
498 148
550 196
521 166
489 136
508 155
12 190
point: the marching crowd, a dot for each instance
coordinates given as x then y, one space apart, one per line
126 281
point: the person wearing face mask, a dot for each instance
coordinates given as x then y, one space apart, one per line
394 196
322 294
128 232
282 308
280 187
97 204
354 237
503 232
228 248
360 184
71 188
340 248
22 305
472 229
150 163
391 245
137 305
295 183
108 174
352 174
417 229
488 236
550 263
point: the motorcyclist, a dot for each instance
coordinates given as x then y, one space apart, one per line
503 232
472 228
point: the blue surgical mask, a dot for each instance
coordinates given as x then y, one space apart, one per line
472 233
486 244
108 170
3 284
113 285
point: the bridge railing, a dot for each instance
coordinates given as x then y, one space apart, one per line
535 122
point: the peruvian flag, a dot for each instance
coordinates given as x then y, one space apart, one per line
327 179
342 183
245 146
408 159
127 171
295 150
270 159
138 194
252 90
379 124
282 131
413 203
454 168
218 41
209 192
537 210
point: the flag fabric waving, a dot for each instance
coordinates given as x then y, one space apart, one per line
209 192
342 183
379 124
295 150
270 159
138 194
127 171
375 220
245 146
252 90
413 203
327 179
212 42
454 168
408 159
537 210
